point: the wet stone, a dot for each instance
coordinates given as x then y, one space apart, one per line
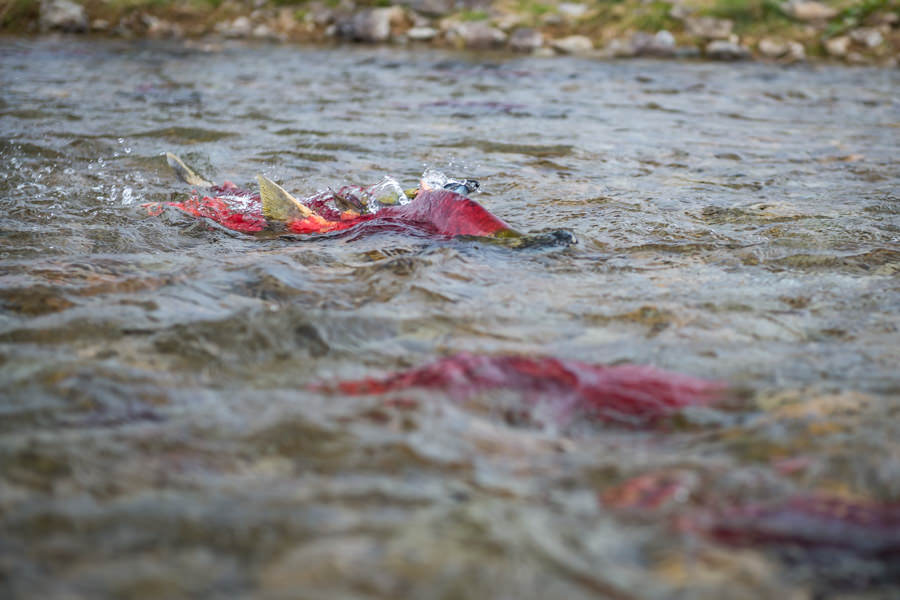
661 44
526 40
319 16
429 8
572 11
811 11
478 35
239 28
370 25
573 44
837 46
618 48
790 51
722 50
868 37
709 27
63 15
422 34
771 48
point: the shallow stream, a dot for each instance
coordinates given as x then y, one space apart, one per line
157 433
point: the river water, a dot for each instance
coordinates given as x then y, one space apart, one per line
158 437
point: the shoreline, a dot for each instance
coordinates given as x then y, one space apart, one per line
865 32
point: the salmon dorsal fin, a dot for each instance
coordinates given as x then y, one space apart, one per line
278 204
185 173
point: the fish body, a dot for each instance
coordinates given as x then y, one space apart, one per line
435 212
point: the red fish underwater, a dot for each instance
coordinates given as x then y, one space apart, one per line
819 530
436 212
631 395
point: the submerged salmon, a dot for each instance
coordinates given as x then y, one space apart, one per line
442 213
631 395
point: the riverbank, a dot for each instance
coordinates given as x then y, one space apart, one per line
851 31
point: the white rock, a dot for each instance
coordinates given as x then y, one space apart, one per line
796 52
64 15
722 50
867 36
240 27
572 11
573 44
526 40
263 32
478 35
373 25
422 34
772 48
807 10
837 46
709 27
662 43
664 39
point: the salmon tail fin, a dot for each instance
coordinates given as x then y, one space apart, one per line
278 204
185 173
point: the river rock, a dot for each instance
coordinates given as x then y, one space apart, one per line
726 50
421 34
796 52
264 32
837 46
709 28
867 36
618 48
241 27
371 26
63 15
508 22
573 44
429 8
771 48
572 11
810 11
320 15
160 28
526 40
478 35
661 44
787 51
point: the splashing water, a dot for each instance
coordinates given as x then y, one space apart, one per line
386 192
370 200
432 179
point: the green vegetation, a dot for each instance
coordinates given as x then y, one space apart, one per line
534 9
754 17
473 15
746 11
18 11
856 13
653 17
